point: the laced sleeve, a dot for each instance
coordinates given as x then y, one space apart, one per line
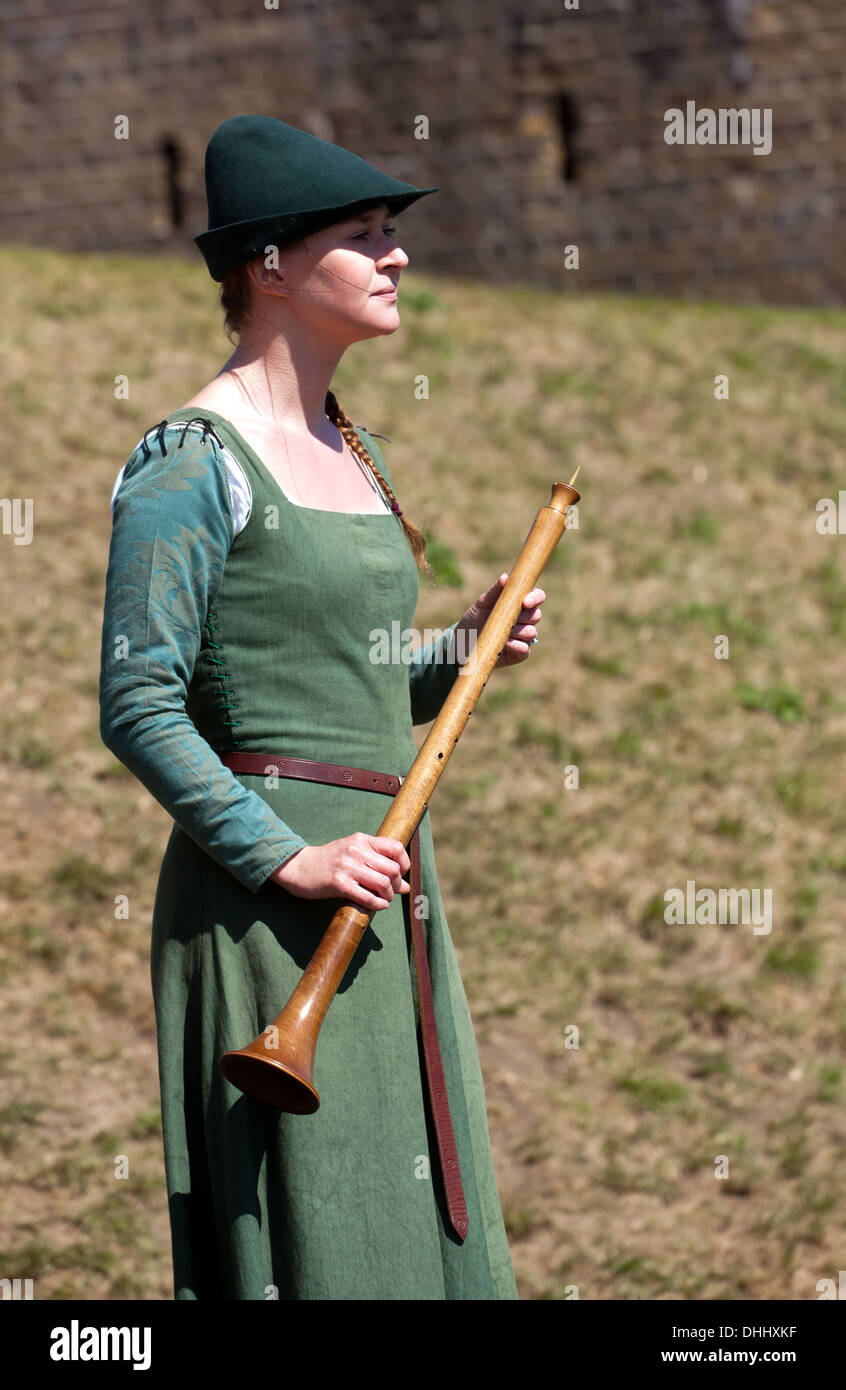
172 531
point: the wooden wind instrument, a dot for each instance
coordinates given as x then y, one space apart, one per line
277 1067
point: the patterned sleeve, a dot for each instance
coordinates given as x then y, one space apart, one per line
432 670
171 534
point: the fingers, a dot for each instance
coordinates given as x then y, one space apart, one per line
530 612
525 627
380 872
488 597
364 869
518 646
534 599
394 848
385 868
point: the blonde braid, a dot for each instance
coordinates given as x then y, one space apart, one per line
414 535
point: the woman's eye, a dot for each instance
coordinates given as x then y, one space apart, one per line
389 231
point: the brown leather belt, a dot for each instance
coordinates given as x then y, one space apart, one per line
364 780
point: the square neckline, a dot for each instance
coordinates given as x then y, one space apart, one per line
318 511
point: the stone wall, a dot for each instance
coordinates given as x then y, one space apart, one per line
545 129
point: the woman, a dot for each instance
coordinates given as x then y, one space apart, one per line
257 547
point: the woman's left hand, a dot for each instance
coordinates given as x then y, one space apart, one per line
519 642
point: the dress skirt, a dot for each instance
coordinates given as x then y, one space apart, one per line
346 1203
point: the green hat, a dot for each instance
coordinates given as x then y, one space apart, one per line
268 183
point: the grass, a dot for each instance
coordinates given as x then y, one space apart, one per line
623 759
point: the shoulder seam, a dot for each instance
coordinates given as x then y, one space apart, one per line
217 445
201 421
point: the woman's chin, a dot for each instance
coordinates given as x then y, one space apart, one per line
388 323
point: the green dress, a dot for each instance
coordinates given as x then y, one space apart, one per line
260 639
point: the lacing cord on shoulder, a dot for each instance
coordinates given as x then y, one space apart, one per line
208 429
159 430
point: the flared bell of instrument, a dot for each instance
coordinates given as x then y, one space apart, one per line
285 1086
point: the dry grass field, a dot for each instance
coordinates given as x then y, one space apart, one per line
697 521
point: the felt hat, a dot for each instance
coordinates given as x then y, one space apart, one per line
268 183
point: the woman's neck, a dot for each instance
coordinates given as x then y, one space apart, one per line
284 383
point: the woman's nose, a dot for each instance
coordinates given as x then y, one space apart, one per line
397 256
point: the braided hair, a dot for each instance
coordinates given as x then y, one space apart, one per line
235 302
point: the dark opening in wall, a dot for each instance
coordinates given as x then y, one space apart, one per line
172 155
568 124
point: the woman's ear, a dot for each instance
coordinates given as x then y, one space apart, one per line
267 273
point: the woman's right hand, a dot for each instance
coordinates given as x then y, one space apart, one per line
365 869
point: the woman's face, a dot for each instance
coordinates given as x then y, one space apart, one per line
342 280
